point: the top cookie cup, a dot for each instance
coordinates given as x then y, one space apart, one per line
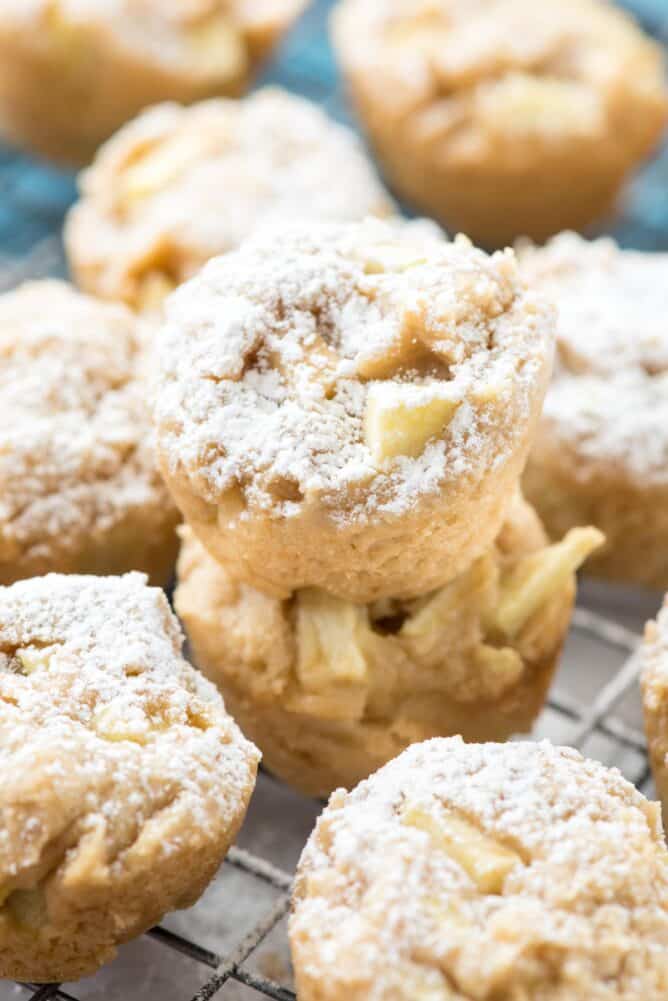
350 406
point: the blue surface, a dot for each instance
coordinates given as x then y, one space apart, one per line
34 197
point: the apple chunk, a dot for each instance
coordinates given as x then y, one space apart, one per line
539 576
401 419
484 859
328 648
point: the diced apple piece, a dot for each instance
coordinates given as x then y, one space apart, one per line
472 589
65 36
539 576
32 659
153 290
392 258
218 47
112 725
521 103
328 650
485 860
158 169
400 418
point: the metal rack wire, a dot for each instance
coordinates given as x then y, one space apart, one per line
33 200
599 717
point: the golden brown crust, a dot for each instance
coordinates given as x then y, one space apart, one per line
499 123
72 73
396 673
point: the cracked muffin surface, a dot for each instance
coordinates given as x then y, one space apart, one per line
484 872
497 121
178 186
73 71
124 781
601 451
332 397
80 489
330 690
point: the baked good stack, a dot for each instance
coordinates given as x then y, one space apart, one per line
343 415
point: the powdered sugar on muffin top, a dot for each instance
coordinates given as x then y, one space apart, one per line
491 79
268 357
170 33
76 449
98 704
179 185
609 397
476 871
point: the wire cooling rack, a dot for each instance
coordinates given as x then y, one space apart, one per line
246 907
233 943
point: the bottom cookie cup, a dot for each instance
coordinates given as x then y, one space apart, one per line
654 660
330 691
124 780
463 872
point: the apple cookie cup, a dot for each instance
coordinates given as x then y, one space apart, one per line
332 398
180 185
331 690
462 871
70 76
499 123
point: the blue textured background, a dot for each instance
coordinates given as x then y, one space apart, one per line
34 197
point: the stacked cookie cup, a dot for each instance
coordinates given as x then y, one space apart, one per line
343 415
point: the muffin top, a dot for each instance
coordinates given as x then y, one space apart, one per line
490 81
178 186
609 397
76 444
210 39
360 365
464 871
104 745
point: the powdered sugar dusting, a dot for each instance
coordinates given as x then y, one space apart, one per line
582 912
76 452
501 76
272 157
268 354
610 393
97 703
161 33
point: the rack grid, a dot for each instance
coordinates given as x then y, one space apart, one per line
587 720
600 717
